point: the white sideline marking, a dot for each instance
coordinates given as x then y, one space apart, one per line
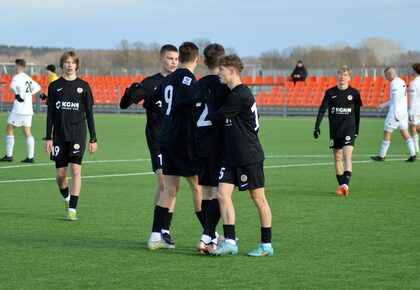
150 173
148 159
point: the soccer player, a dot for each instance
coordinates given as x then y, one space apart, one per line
70 103
176 153
397 117
244 157
414 111
209 95
168 57
343 103
23 87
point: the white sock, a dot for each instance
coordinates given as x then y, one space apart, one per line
267 244
230 241
154 237
30 142
10 142
165 232
410 146
67 198
416 142
384 148
206 239
72 209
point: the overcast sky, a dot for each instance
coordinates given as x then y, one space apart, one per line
250 27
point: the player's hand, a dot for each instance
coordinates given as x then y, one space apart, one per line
18 98
92 147
48 146
355 135
317 132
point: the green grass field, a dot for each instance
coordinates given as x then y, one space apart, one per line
370 240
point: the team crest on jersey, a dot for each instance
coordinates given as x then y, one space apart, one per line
58 104
79 90
332 110
348 138
76 146
244 178
187 80
349 97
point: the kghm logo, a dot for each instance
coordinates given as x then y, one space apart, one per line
67 105
340 111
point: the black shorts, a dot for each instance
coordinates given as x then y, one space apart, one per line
156 158
339 143
246 177
177 161
208 173
64 153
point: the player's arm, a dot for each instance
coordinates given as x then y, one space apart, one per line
35 87
50 113
14 87
321 111
357 106
151 100
413 96
89 114
184 97
133 95
397 94
230 108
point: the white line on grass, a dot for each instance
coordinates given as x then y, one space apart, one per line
150 173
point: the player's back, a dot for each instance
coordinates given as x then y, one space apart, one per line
208 137
415 96
398 93
175 89
25 87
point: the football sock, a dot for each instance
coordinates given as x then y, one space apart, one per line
230 235
159 216
155 237
212 218
167 222
65 192
346 177
30 143
204 206
384 148
265 235
410 146
73 201
10 142
339 179
416 142
206 239
200 217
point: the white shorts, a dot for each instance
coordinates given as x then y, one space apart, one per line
416 120
19 120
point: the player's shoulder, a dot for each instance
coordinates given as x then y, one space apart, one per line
185 76
353 91
398 82
242 91
81 82
153 78
332 91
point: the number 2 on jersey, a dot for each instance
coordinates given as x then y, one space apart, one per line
169 91
28 87
202 122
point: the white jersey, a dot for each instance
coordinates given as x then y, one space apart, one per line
25 87
398 101
415 97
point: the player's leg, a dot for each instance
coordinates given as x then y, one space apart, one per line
10 143
227 212
161 211
348 168
30 143
386 142
410 144
208 239
338 164
414 135
264 212
197 195
76 184
62 182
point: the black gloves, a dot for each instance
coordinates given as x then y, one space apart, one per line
317 132
43 96
18 98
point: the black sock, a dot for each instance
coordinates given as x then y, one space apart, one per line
159 216
204 206
64 192
265 235
229 231
73 201
339 179
346 177
212 218
168 221
200 217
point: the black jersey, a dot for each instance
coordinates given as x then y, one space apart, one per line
70 105
242 145
175 101
208 137
343 111
141 91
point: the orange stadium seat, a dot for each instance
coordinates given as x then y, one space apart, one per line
280 80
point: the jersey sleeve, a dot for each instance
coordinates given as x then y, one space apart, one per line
413 96
133 95
14 86
35 87
151 100
183 98
50 112
89 113
321 111
230 108
357 106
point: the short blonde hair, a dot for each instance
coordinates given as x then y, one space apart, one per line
345 68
